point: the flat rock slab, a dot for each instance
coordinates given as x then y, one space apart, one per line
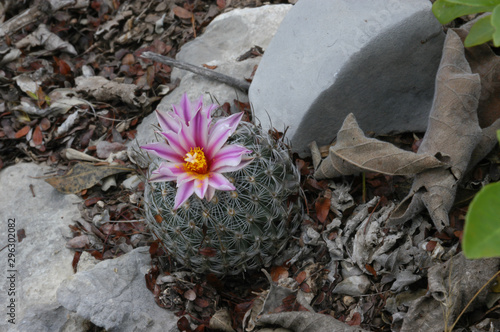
40 261
226 38
375 58
113 295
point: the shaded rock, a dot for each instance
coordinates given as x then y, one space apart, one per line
329 58
227 37
113 295
41 261
354 286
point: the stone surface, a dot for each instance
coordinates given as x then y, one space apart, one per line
41 259
227 37
376 59
113 295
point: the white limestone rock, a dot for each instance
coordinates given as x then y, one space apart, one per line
375 58
114 295
40 260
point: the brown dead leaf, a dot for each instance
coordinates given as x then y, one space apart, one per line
182 13
221 4
37 136
83 176
355 153
78 242
322 207
453 133
22 132
208 66
486 63
279 272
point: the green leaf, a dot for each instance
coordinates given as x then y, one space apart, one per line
476 3
446 11
32 95
481 32
495 22
481 238
498 135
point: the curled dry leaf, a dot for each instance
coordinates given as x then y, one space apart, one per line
451 286
453 133
355 153
83 176
50 41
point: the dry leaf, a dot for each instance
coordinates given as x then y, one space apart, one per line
453 133
37 136
221 320
182 13
22 132
354 153
83 176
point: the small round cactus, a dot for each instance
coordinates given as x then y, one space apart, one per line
240 228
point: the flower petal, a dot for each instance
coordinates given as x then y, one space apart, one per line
219 181
176 142
229 155
242 164
167 121
216 140
209 194
184 191
197 130
230 122
164 151
200 186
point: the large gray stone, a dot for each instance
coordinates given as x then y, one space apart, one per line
40 261
113 295
227 37
374 58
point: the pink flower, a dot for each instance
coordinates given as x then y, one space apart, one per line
196 152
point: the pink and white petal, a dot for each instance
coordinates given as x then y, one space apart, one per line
219 181
184 191
156 177
171 169
167 121
209 194
229 155
200 186
230 122
216 140
198 129
243 163
164 151
177 144
198 105
186 112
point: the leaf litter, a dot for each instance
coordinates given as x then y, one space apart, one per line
345 240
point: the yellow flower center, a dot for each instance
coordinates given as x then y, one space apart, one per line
196 161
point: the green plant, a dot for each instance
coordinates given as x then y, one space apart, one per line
485 29
239 227
482 223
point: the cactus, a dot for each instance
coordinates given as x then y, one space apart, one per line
236 230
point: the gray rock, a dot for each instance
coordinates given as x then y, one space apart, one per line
227 37
374 58
113 295
40 260
354 286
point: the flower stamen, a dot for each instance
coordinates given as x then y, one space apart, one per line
196 161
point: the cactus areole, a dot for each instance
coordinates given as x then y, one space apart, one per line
223 197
